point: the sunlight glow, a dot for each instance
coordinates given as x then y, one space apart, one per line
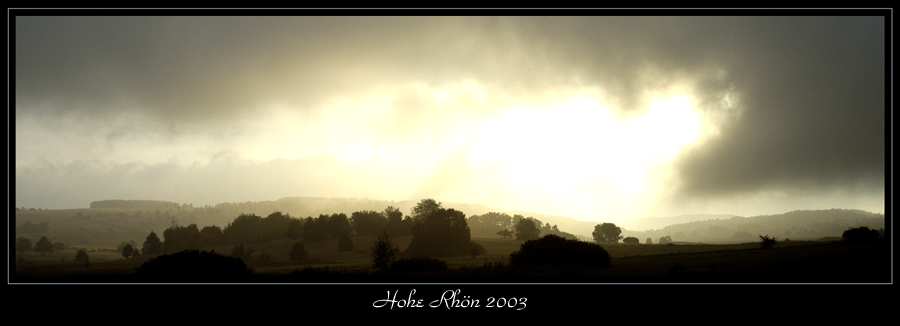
562 150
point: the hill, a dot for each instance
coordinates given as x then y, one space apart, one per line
796 225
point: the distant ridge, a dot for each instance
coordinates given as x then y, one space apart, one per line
649 223
797 225
133 204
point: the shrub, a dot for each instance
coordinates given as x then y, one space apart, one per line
553 250
411 265
383 252
194 266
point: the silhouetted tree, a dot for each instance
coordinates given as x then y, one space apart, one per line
339 225
298 252
125 243
767 242
649 241
505 233
212 236
43 245
607 233
345 243
553 250
246 228
631 241
424 208
443 232
82 257
274 226
127 251
152 245
527 229
383 252
23 244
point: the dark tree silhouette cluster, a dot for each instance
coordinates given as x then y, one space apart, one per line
553 250
397 225
368 222
178 238
438 231
253 229
326 227
194 266
860 235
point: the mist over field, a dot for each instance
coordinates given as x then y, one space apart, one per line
597 119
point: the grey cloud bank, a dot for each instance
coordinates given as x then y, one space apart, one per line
799 102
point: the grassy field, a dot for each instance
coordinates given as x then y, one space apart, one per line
787 262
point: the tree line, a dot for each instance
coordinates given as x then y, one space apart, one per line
253 229
523 228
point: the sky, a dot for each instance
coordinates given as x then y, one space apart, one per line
593 118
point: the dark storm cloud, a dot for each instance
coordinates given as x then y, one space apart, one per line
812 111
192 67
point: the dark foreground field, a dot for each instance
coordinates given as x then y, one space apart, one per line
787 262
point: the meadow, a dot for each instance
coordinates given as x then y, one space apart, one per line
787 262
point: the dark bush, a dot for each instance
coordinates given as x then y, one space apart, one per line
860 235
82 257
411 265
766 242
553 250
194 267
